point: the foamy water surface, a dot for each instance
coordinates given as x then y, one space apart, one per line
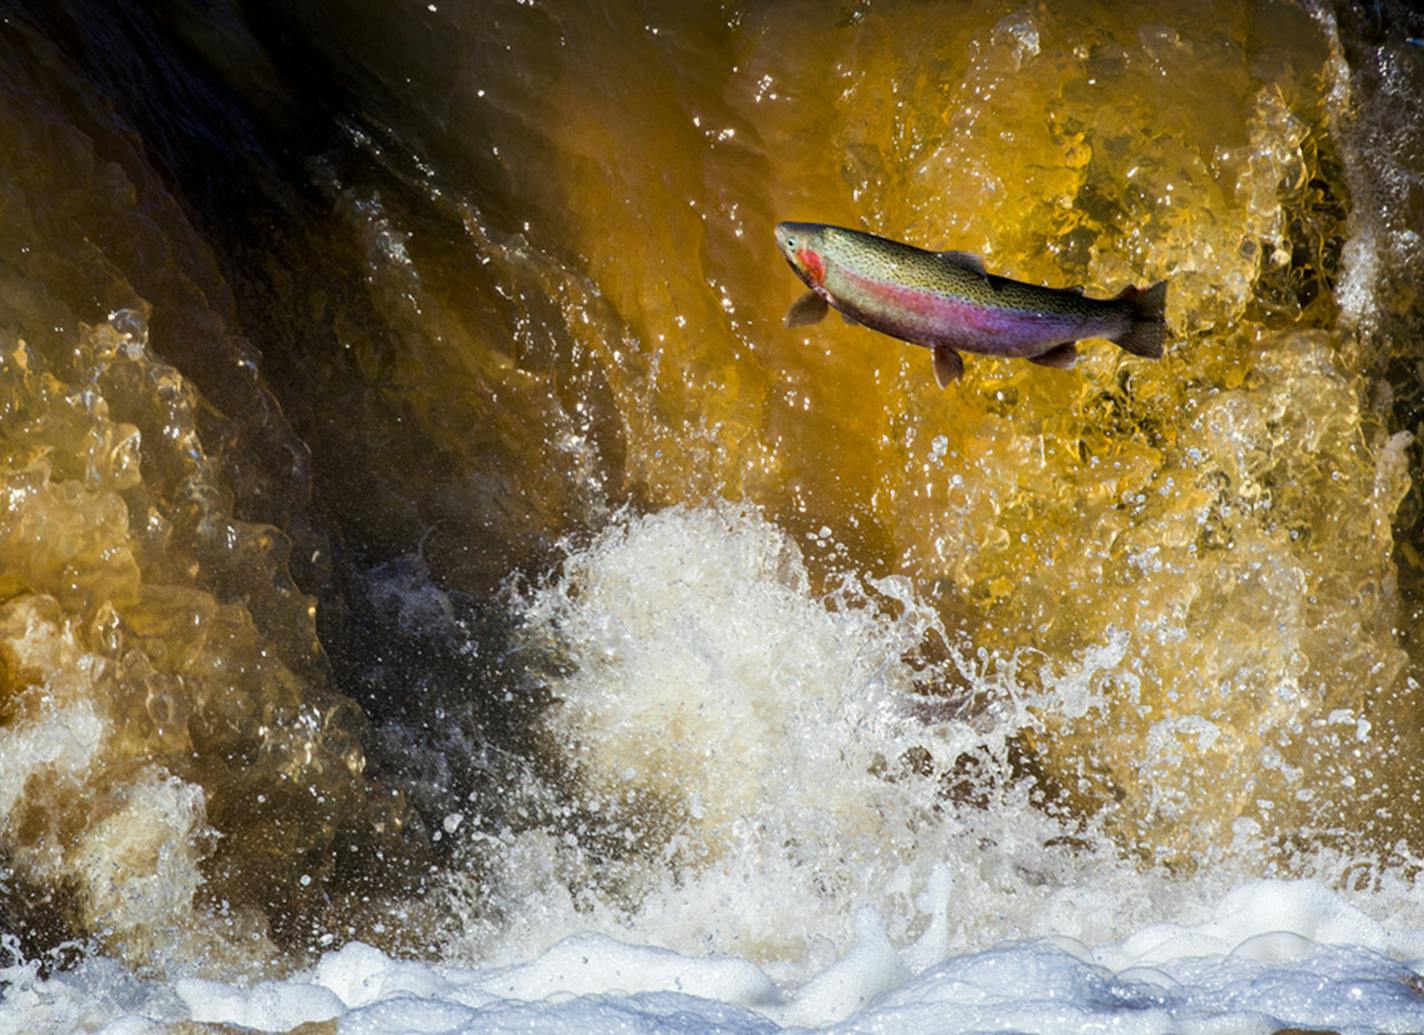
438 595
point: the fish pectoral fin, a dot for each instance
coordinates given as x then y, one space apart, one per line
1061 357
948 365
809 308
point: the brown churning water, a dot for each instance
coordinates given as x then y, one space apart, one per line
369 382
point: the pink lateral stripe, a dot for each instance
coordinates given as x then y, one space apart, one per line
924 303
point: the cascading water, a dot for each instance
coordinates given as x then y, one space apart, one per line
421 541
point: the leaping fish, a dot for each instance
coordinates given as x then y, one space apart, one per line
946 301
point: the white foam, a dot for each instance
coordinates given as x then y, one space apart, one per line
704 671
700 661
1266 980
268 1006
1249 918
64 742
822 890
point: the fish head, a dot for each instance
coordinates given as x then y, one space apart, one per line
803 245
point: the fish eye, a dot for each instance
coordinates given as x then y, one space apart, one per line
790 242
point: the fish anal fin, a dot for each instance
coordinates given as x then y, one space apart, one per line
1060 357
808 309
948 365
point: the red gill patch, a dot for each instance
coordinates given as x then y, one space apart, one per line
812 264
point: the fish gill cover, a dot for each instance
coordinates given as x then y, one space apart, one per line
375 382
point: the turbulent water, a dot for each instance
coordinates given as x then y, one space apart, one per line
419 528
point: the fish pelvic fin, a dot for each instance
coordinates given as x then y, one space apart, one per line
809 308
948 365
1060 357
1148 308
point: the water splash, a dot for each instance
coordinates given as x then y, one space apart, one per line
145 709
1163 611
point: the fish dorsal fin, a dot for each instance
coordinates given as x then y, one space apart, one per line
809 308
968 260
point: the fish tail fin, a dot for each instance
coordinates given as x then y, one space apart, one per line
1148 308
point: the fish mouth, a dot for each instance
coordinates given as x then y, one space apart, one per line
785 246
783 243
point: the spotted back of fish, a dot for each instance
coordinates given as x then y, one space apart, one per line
947 273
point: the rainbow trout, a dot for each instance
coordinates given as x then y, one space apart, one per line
946 302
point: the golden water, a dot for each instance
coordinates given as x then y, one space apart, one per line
505 270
